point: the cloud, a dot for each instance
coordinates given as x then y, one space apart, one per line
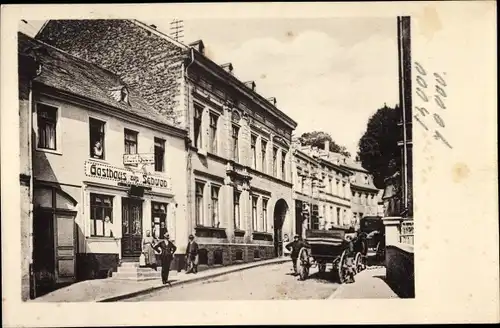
319 83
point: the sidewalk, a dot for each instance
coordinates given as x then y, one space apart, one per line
110 289
369 284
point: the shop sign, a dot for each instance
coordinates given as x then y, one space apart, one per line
133 159
103 171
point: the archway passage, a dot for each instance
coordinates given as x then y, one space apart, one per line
280 213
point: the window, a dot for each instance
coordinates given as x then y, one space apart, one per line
199 188
213 133
302 181
96 138
236 210
198 111
215 206
130 142
101 215
331 214
263 153
264 214
159 219
338 215
255 226
275 164
159 155
47 123
283 165
253 141
330 188
236 129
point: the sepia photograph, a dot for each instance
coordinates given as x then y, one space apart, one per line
156 163
180 157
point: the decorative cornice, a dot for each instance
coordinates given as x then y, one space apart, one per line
228 78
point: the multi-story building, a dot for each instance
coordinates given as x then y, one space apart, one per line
239 160
106 167
321 190
364 194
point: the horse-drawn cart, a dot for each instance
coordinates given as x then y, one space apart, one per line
332 247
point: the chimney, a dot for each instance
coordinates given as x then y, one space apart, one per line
272 100
251 85
228 67
327 145
198 46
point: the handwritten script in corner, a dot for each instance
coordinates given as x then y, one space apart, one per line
423 89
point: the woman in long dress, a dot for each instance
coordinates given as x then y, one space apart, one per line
147 249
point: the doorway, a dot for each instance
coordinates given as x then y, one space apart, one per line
131 227
280 212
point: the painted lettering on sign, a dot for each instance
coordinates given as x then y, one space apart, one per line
103 171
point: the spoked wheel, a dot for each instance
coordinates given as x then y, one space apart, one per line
303 264
359 264
322 267
342 268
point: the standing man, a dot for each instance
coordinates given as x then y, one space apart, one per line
192 255
167 249
295 247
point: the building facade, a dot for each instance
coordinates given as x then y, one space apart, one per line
239 189
95 192
321 190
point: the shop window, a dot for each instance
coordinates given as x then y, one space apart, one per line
197 120
256 254
159 155
218 257
215 206
203 256
236 210
239 255
47 126
43 197
96 138
101 215
130 142
159 219
199 190
213 132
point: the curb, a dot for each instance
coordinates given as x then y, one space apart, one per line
338 292
188 281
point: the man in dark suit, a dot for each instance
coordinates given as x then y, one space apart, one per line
192 255
167 249
294 248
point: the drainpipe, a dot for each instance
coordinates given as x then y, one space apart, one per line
33 75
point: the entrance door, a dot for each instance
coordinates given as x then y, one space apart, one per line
280 212
65 248
131 227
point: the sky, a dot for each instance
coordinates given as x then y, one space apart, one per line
326 74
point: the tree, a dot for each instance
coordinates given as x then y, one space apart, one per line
318 139
378 150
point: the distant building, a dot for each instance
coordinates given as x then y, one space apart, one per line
321 190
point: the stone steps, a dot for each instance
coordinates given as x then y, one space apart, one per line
132 271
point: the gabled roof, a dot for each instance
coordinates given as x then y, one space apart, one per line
71 74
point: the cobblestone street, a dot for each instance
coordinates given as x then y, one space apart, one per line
273 282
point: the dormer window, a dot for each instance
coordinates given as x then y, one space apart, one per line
124 95
120 94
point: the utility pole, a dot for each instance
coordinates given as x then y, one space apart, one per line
177 28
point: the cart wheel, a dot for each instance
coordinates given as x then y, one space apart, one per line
358 263
303 264
342 268
322 267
